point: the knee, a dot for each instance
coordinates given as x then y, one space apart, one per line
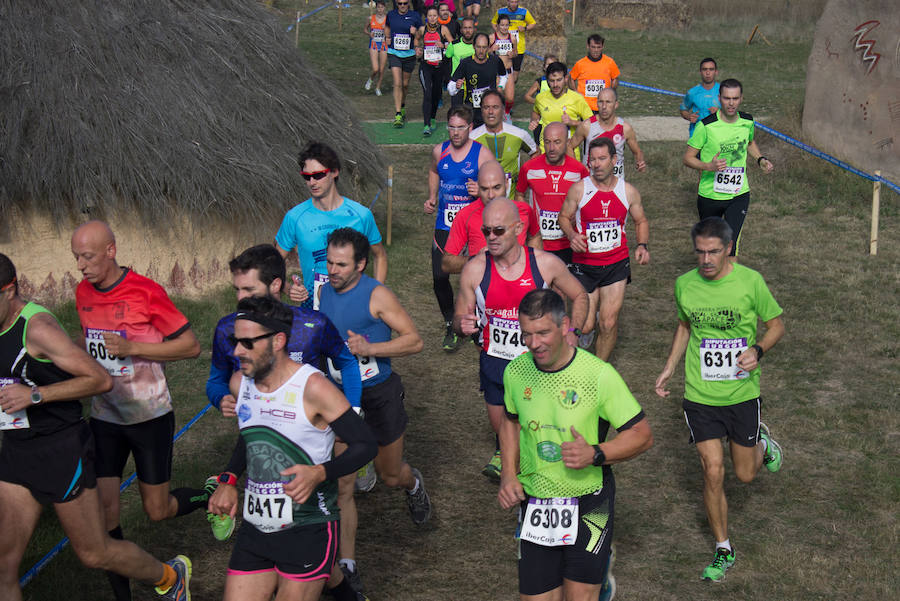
608 323
713 473
157 511
95 557
345 490
744 473
393 477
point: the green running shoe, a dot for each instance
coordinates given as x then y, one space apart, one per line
366 478
492 469
723 560
450 343
222 525
427 131
398 121
403 113
773 456
180 591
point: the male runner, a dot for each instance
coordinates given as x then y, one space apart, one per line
504 140
466 238
520 21
306 226
559 103
132 329
289 415
476 75
366 314
490 288
460 49
593 218
400 28
560 402
452 184
549 177
48 449
606 123
473 9
448 20
719 304
594 72
718 149
703 98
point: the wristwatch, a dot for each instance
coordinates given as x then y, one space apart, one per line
599 456
576 331
759 351
36 396
227 478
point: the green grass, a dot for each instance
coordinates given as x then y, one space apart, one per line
823 528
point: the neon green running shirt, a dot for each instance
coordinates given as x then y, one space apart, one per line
713 135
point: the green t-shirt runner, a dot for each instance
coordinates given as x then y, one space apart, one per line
723 318
506 146
587 393
713 135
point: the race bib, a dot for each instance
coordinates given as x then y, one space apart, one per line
592 87
319 280
402 41
17 420
729 180
604 236
551 522
477 93
509 183
718 359
96 348
433 54
504 47
506 338
368 369
378 35
267 507
550 229
451 210
619 168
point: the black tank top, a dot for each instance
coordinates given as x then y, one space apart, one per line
15 362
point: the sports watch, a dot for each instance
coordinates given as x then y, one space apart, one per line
599 456
36 396
227 478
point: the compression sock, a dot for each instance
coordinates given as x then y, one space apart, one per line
168 579
190 499
120 586
343 592
725 544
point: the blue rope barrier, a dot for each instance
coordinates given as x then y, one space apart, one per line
374 200
39 565
774 132
309 14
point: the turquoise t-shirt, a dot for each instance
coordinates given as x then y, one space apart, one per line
699 100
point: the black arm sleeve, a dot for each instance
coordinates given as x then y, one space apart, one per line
238 462
361 445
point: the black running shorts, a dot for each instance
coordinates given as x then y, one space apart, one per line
383 409
598 276
150 442
302 553
739 423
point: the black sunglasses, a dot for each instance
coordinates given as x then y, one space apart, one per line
247 343
497 230
316 175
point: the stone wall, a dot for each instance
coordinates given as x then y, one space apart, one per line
852 107
634 14
549 34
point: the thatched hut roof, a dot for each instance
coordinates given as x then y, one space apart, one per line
142 105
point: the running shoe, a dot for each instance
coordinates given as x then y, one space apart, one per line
222 525
418 502
586 341
398 120
427 131
433 124
403 113
366 478
773 456
492 468
450 343
608 590
440 102
378 91
368 85
353 579
180 591
723 560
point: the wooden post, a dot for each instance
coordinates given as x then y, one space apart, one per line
340 15
876 202
297 31
390 201
574 3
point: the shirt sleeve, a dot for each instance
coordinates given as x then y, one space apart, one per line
576 71
766 306
371 229
528 140
534 227
456 239
351 381
495 18
165 317
698 138
618 406
613 69
584 109
286 236
685 102
217 384
583 170
522 180
529 20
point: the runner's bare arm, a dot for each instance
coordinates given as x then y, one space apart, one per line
748 360
631 140
641 224
511 492
561 279
385 306
183 346
679 345
379 262
465 321
434 181
567 218
578 136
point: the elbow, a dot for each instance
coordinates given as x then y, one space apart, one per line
104 382
417 345
194 350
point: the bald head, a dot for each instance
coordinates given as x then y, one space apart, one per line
556 135
502 211
491 181
94 248
556 129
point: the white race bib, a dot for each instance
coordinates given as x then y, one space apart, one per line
506 338
550 229
17 420
319 280
729 180
551 522
451 210
604 236
377 35
718 359
619 168
402 41
267 507
592 87
96 348
477 93
368 369
504 47
433 54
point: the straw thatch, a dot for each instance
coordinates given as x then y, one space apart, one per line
145 106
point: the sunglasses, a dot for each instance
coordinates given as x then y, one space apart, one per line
8 286
497 230
316 175
248 343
